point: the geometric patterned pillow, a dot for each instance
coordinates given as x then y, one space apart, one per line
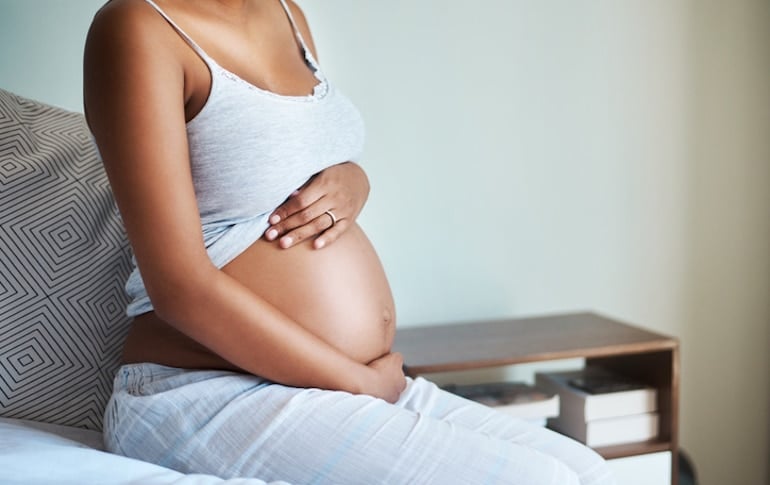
64 259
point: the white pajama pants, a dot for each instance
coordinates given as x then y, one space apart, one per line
238 425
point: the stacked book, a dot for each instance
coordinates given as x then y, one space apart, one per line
600 408
515 398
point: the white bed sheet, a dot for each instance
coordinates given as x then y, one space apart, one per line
34 453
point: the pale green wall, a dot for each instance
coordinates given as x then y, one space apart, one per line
41 48
538 156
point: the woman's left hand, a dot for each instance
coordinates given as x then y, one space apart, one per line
322 208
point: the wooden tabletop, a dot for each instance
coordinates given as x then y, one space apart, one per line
470 345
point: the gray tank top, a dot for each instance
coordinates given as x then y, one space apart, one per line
250 148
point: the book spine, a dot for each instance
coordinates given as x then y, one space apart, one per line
610 431
582 406
568 401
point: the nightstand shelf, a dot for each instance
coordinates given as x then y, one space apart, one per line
635 352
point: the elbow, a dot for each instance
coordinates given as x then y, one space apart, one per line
168 307
178 299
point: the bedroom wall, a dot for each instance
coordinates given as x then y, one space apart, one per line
538 157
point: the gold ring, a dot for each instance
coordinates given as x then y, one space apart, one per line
334 219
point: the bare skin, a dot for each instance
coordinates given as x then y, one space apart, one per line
283 309
339 294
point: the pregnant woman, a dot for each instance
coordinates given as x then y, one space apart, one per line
262 319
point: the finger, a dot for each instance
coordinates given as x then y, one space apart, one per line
312 228
297 201
330 235
298 219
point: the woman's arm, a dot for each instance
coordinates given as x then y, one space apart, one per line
135 94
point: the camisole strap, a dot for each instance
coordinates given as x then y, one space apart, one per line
298 34
210 61
181 32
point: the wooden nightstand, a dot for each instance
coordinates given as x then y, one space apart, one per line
637 353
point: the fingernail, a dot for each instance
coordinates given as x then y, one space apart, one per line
319 243
271 234
274 219
286 242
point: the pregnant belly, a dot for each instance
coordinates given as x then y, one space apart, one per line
339 293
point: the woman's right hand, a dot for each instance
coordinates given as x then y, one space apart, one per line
389 381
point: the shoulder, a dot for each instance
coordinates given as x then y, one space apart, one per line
130 49
295 9
119 17
299 16
302 24
129 38
125 28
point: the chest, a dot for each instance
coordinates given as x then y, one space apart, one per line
249 148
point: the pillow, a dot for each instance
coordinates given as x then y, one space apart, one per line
64 258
